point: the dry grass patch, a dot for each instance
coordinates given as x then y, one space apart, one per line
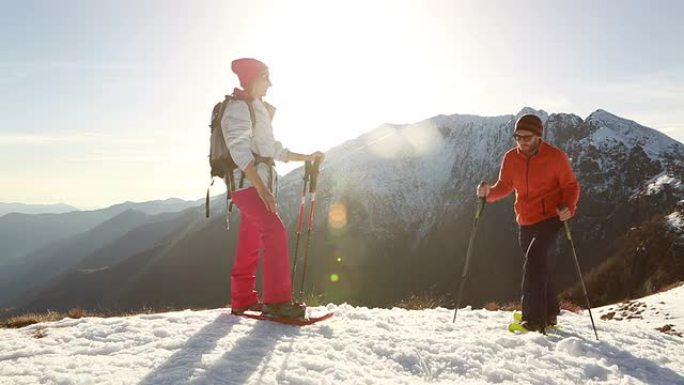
423 301
570 306
30 319
76 313
27 319
494 306
511 306
671 286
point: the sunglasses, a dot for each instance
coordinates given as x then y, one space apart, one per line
523 138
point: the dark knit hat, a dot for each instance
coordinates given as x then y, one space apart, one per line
247 69
530 122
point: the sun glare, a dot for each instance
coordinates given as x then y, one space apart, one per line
328 70
413 140
357 65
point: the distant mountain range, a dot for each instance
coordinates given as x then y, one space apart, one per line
24 233
22 208
394 212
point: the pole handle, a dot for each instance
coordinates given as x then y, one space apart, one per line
307 170
314 175
566 225
482 200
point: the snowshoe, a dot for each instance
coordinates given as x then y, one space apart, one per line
253 307
284 310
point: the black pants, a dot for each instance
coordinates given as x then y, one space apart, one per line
539 298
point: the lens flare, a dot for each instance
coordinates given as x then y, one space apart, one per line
384 142
423 137
337 216
389 141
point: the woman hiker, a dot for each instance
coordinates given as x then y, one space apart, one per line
254 149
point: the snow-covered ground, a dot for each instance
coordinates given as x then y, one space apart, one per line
356 346
656 311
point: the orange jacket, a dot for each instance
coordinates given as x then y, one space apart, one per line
540 182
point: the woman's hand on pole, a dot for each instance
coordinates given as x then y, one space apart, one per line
316 156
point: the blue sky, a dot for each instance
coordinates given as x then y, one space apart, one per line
107 101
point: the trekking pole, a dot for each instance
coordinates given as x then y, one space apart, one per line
312 189
473 231
300 220
568 235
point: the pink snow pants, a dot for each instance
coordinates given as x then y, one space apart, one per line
259 230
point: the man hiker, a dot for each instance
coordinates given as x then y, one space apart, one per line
253 149
546 194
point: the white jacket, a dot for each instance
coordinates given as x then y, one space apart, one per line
242 141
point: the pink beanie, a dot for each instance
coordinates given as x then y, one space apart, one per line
247 69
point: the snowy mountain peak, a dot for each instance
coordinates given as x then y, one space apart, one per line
529 110
611 131
603 114
604 118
